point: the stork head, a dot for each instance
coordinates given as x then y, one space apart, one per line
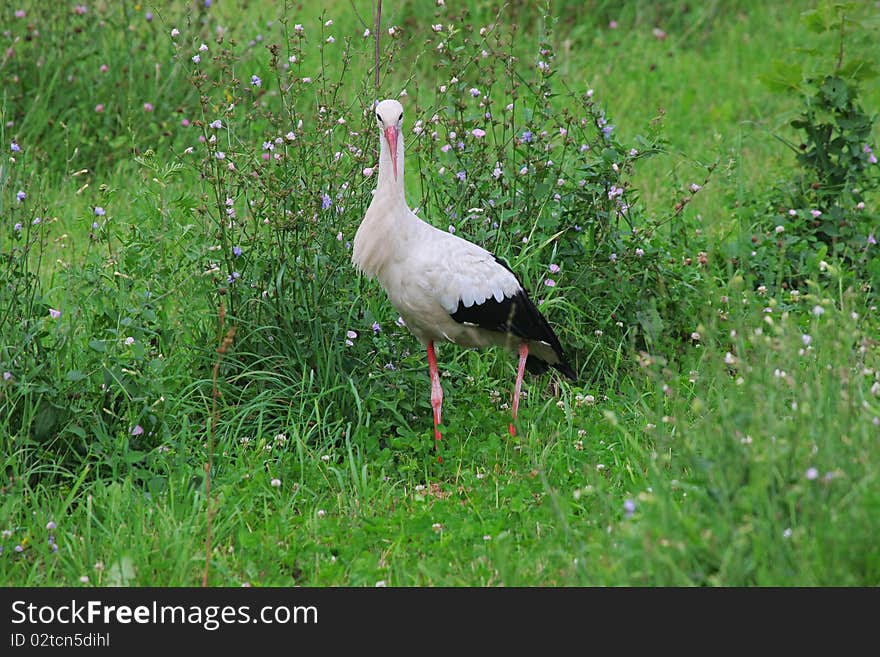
389 117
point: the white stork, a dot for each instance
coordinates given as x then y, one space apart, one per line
444 287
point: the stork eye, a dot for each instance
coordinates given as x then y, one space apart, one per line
378 118
400 118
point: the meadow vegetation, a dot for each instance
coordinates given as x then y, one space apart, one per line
197 386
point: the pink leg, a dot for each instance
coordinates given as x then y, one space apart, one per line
520 370
436 392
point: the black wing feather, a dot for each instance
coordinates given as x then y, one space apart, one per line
516 315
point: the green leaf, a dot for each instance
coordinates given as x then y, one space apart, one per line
823 18
137 350
836 91
45 422
77 430
814 21
121 573
859 70
783 76
98 345
75 375
134 456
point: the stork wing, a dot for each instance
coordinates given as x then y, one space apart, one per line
470 276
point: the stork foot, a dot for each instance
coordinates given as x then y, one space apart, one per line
520 370
436 397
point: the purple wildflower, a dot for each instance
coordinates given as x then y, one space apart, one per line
326 202
236 251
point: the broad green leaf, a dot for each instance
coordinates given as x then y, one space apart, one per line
783 76
98 345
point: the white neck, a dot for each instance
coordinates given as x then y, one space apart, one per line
389 226
387 185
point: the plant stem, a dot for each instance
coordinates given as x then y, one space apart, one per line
376 44
223 347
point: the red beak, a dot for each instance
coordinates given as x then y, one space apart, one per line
391 133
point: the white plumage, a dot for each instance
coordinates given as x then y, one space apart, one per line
443 286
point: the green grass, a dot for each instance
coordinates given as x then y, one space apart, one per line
745 456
